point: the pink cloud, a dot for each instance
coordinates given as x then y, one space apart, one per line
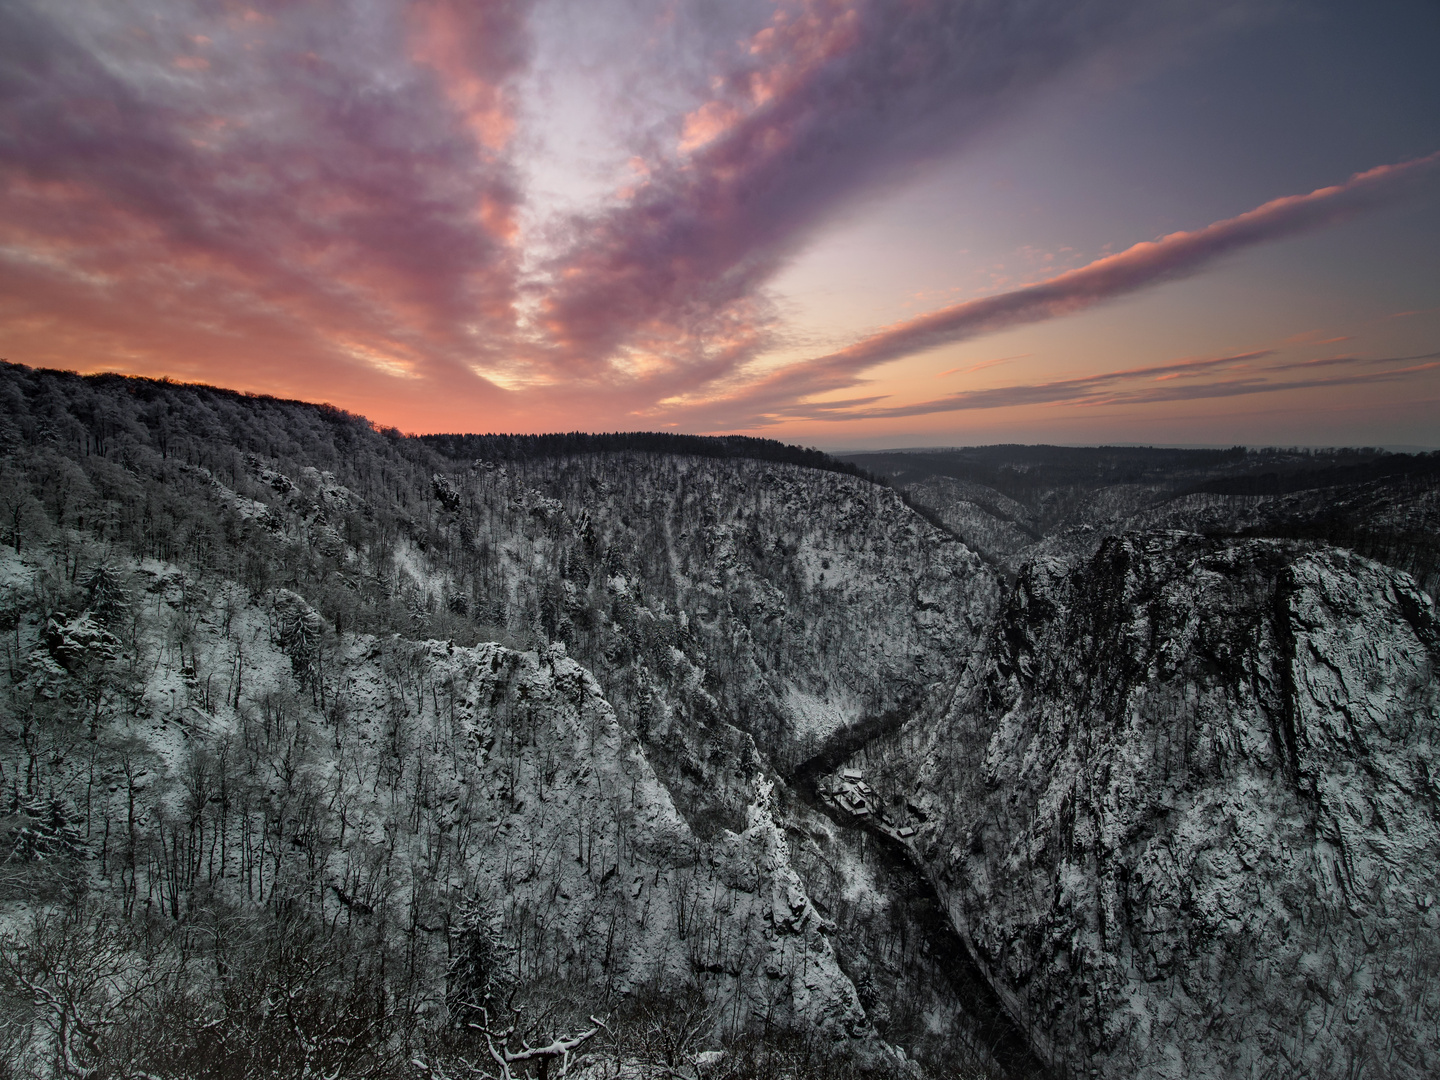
319 209
1140 266
323 201
1108 388
828 100
983 365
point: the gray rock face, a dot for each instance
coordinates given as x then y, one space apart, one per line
1017 504
73 642
535 799
439 780
814 599
737 614
1187 813
988 520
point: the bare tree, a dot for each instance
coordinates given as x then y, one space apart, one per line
81 975
508 1047
669 1028
20 511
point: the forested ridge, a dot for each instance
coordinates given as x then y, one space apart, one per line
1016 502
228 747
527 447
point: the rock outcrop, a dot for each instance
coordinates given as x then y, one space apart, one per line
1187 816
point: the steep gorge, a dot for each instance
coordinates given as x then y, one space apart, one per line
1185 810
561 720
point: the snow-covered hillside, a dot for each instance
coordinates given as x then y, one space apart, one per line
1186 812
312 736
409 787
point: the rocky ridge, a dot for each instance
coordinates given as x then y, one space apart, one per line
1185 811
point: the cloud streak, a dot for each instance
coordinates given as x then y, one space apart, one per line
983 365
295 196
1110 388
1141 266
330 201
828 100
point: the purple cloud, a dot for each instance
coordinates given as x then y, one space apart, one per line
1145 264
312 192
1106 389
325 201
829 100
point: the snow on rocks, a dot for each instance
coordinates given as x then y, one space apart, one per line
1203 828
399 781
78 640
582 846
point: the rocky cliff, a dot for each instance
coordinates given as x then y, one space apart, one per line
1018 503
421 792
1185 812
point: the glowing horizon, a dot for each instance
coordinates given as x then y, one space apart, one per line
787 219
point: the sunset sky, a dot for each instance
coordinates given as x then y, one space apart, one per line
845 223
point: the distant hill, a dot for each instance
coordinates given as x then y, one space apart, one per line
1013 502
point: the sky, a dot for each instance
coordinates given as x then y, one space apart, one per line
846 223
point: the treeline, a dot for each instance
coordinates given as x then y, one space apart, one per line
232 994
1324 472
182 925
523 448
561 444
1414 550
382 533
671 574
1372 501
1023 472
106 415
256 490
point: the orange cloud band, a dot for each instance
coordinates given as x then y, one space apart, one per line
1144 264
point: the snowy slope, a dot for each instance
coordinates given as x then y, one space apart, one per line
1186 814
